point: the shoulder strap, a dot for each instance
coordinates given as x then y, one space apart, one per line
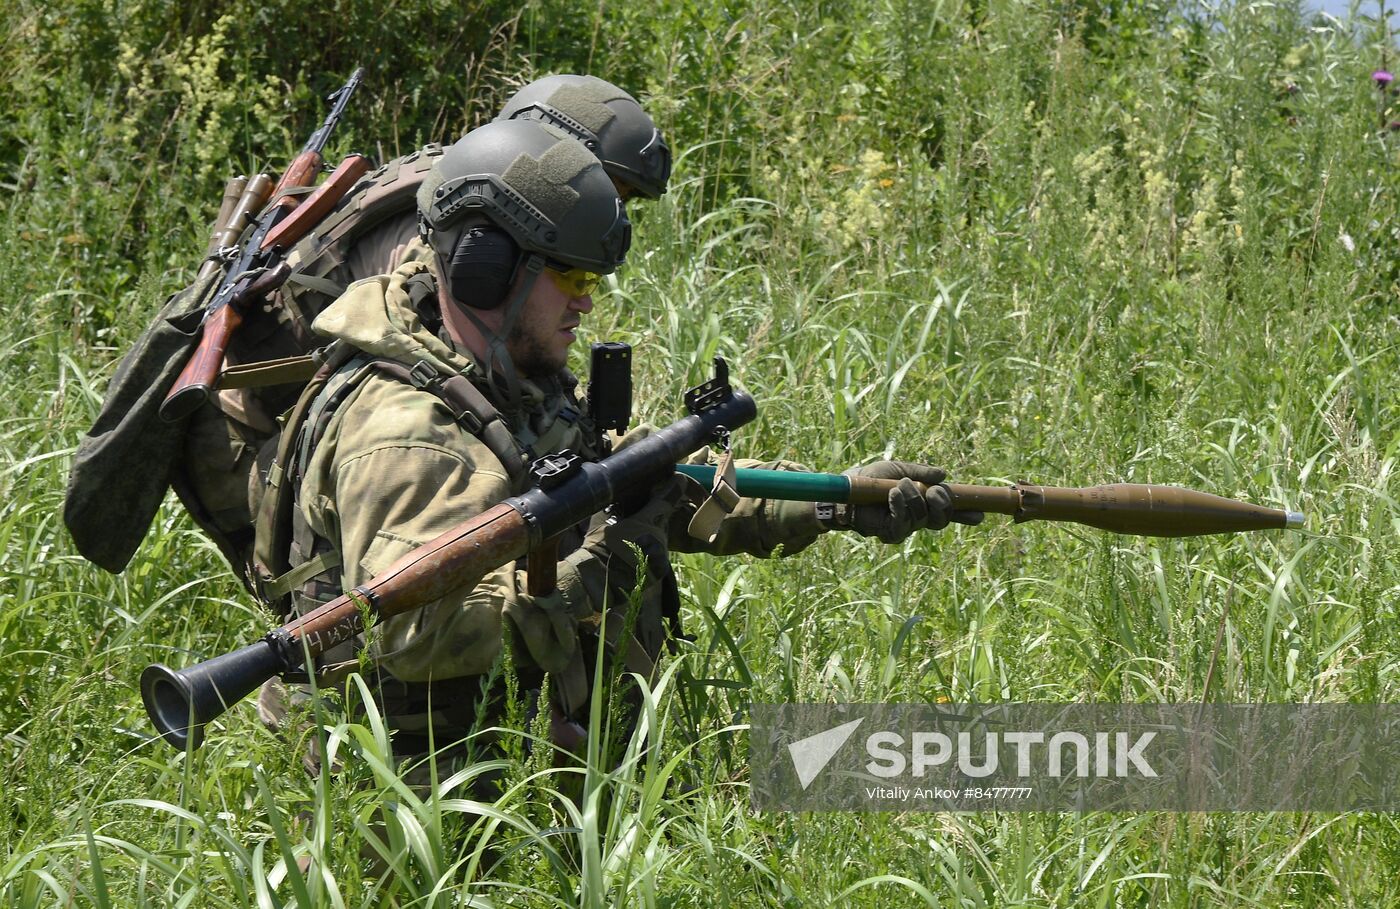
470 408
273 524
286 371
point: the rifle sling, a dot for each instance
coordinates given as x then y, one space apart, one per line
291 580
286 371
326 286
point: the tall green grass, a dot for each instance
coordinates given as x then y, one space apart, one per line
1063 242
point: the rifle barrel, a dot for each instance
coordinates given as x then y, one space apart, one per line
339 99
240 283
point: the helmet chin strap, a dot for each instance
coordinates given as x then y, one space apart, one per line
498 362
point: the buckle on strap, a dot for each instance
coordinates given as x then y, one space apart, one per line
285 583
424 375
455 394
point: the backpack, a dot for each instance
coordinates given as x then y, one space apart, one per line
216 459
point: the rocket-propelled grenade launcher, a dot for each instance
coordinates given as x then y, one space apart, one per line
181 703
1133 508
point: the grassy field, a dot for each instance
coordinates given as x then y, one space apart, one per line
1063 242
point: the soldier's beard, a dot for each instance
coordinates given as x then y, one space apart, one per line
533 357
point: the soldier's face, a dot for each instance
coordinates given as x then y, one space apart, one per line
539 341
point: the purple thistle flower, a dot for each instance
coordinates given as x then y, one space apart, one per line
1394 126
1382 78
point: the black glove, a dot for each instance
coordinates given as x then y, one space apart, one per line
907 509
608 558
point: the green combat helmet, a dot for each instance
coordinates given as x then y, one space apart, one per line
528 195
604 118
535 182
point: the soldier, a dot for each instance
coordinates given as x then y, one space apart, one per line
221 476
458 380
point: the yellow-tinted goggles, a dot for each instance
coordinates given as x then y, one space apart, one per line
575 282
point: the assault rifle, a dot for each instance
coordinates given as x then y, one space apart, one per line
258 268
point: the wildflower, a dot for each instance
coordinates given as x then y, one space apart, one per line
873 163
859 212
1201 231
1090 166
1381 78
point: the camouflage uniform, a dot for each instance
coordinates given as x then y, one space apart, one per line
393 470
220 474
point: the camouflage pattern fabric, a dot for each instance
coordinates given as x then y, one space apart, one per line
394 470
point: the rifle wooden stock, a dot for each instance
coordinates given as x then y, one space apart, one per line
201 373
310 212
301 172
197 379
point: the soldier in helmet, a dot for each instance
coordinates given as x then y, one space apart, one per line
457 381
607 120
367 234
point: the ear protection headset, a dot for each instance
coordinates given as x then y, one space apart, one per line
483 266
